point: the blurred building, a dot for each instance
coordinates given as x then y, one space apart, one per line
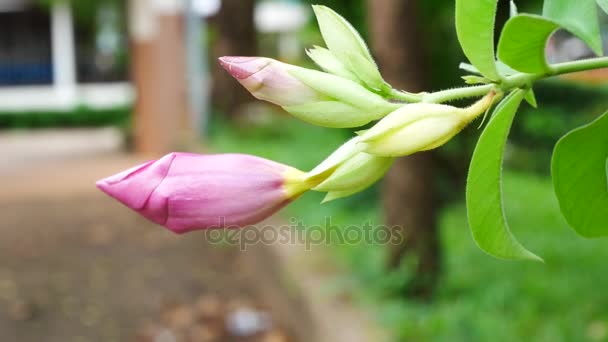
48 61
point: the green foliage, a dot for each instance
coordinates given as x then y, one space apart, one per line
475 29
484 186
79 117
579 17
522 63
581 182
483 299
522 43
479 298
522 48
85 11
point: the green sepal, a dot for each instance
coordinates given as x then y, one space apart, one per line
361 170
502 68
332 114
347 46
513 9
339 35
328 62
335 195
340 155
472 79
343 90
530 97
366 70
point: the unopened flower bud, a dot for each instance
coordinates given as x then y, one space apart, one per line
310 95
269 80
348 150
420 127
186 192
348 171
355 175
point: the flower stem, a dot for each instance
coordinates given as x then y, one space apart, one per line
519 80
458 93
581 65
405 96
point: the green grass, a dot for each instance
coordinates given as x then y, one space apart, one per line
479 298
484 299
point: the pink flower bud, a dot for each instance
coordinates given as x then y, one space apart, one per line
186 192
269 80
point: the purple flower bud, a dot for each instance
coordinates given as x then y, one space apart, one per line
186 192
269 80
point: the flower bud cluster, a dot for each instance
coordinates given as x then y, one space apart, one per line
186 192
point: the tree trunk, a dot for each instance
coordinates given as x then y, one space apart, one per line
409 194
161 121
236 37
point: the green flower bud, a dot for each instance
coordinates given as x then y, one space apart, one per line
348 171
420 127
334 195
269 80
356 174
348 150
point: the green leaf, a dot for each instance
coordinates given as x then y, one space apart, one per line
579 17
475 28
484 186
522 43
502 68
580 172
603 4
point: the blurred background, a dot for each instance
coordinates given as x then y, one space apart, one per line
88 88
